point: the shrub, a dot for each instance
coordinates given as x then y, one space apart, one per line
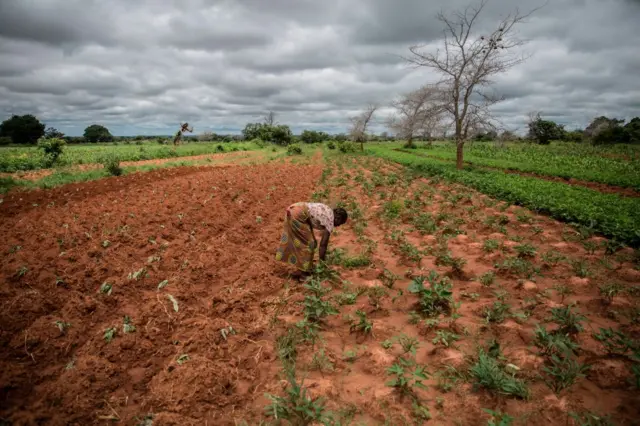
347 147
259 142
52 148
331 145
294 149
6 140
219 148
111 163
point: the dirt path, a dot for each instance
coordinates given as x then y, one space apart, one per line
601 187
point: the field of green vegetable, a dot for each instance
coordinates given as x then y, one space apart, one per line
609 214
31 158
616 165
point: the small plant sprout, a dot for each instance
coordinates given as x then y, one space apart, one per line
387 344
321 362
490 374
388 278
174 302
616 342
554 343
570 321
375 296
487 279
258 219
609 291
497 312
580 268
297 407
62 326
445 338
182 359
163 284
525 250
489 246
106 288
109 334
563 291
22 271
315 308
498 418
405 381
226 331
420 412
106 243
128 326
437 298
137 275
409 344
363 325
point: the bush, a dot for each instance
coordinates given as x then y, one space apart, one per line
219 148
347 147
98 133
331 145
111 163
311 136
52 148
294 149
5 140
259 142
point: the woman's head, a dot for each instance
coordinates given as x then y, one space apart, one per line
339 216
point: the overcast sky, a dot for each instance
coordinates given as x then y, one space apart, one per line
142 67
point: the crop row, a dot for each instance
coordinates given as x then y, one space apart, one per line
31 158
613 216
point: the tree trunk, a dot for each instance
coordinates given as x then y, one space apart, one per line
409 143
459 155
362 145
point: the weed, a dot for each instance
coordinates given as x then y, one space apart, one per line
286 348
612 246
414 317
563 372
296 406
424 223
488 278
554 343
525 250
405 382
563 290
62 326
524 217
445 338
570 321
22 271
553 257
580 268
127 326
350 355
307 331
106 288
420 412
590 419
363 325
163 284
109 334
321 362
387 344
359 261
409 344
435 299
137 275
182 359
609 291
456 263
346 298
490 374
590 246
517 266
111 163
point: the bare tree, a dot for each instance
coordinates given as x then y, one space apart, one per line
270 118
183 128
467 64
360 123
418 113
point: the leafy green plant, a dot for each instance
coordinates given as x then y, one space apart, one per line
128 326
445 338
563 290
525 250
498 418
392 209
363 325
580 268
294 149
490 374
424 223
437 298
321 362
409 344
109 334
616 342
570 321
489 246
517 266
346 298
488 278
315 308
387 344
497 312
106 288
137 275
52 149
590 246
590 419
553 257
609 291
296 406
111 163
445 258
359 261
563 371
403 381
554 343
62 326
22 271
376 294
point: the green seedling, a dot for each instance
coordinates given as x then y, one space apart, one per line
489 246
488 278
490 374
420 412
163 284
363 325
570 321
227 331
580 268
62 326
609 291
106 243
525 250
405 382
375 296
182 359
554 343
174 302
616 342
106 288
109 334
437 298
445 338
127 326
563 372
498 418
563 291
321 362
553 257
517 266
497 312
409 344
22 271
387 344
388 278
138 275
346 298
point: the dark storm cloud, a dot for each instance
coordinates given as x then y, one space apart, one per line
144 66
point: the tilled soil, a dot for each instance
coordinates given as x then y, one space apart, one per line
209 353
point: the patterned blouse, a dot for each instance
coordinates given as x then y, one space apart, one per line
321 216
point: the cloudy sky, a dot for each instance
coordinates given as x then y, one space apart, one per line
142 67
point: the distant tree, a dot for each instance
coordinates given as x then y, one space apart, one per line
270 118
633 128
53 133
278 134
508 136
97 133
312 136
22 129
611 135
599 124
468 63
340 137
281 134
489 136
417 113
360 124
576 136
544 131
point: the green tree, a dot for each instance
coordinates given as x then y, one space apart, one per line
53 133
52 148
544 131
281 134
97 133
311 136
633 128
22 129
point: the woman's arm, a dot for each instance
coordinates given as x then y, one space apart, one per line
324 243
312 234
